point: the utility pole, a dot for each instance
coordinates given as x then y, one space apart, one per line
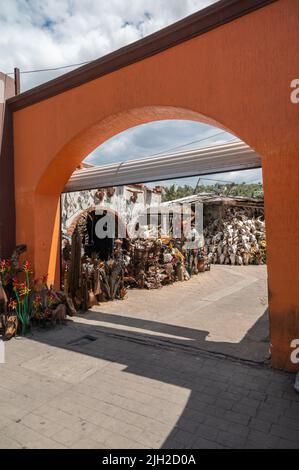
197 184
17 81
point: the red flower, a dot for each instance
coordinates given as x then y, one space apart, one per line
27 267
21 288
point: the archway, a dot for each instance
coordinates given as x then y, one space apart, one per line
178 304
70 156
90 211
88 220
179 73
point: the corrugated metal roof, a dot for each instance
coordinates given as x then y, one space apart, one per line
231 156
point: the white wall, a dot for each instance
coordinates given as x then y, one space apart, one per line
73 204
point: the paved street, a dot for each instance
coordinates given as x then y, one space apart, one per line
90 385
223 310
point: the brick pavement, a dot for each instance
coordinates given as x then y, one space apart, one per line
223 310
118 392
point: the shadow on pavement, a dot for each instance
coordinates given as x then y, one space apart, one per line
176 361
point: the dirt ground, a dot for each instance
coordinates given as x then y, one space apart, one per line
223 310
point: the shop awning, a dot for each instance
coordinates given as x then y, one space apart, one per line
232 156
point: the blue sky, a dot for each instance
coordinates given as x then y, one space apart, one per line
39 34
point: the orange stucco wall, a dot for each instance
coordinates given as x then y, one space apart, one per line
236 76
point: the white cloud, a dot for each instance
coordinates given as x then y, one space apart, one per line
157 137
49 33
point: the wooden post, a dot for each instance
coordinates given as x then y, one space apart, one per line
17 81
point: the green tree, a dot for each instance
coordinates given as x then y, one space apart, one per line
254 190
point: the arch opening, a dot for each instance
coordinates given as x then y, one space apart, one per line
222 265
61 166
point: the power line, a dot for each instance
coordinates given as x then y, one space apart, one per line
208 179
230 182
188 143
254 181
184 180
53 68
162 152
220 181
